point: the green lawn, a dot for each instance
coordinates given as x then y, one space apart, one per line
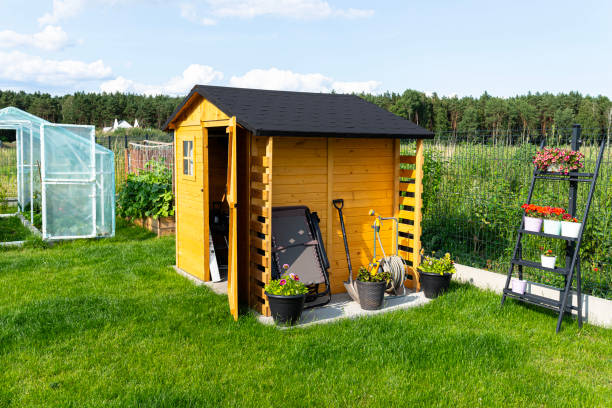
107 322
11 229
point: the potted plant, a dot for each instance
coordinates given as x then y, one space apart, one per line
435 274
519 286
533 221
552 219
286 298
547 258
371 286
570 226
554 159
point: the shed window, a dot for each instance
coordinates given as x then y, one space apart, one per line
188 157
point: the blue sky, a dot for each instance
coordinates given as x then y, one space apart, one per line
450 47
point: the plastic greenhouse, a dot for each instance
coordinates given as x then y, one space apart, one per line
63 174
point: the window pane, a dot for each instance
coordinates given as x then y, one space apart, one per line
186 166
185 148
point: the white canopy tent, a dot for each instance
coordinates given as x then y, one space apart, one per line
64 174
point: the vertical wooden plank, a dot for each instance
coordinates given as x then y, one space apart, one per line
176 204
232 264
244 218
330 193
418 204
269 186
396 180
205 196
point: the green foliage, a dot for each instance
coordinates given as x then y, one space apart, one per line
473 208
439 266
289 285
93 108
35 242
11 229
132 135
147 194
543 112
378 276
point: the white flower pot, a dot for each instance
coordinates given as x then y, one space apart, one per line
570 229
533 224
548 261
552 227
519 286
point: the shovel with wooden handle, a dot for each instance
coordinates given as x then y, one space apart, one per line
350 284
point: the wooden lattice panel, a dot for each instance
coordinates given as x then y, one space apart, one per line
409 187
260 222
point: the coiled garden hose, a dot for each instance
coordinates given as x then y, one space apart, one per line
396 266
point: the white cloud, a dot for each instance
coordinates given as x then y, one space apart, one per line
21 67
190 13
294 9
179 85
51 38
286 80
355 87
62 9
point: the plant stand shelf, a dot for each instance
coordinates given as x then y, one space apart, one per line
572 248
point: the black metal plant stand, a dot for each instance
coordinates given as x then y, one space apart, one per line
572 249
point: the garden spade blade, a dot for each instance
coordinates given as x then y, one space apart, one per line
349 285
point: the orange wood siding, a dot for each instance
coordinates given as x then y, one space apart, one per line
191 195
361 171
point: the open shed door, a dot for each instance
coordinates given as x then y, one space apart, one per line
232 255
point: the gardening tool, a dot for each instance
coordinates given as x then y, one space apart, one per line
393 264
350 286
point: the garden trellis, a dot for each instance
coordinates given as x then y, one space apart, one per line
63 174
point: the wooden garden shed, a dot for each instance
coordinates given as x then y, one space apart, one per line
245 151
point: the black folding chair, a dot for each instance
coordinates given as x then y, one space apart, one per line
297 242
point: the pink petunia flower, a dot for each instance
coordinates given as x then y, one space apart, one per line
282 282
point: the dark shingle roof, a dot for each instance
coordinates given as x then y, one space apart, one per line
283 113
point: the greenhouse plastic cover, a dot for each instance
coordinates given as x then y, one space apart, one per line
64 174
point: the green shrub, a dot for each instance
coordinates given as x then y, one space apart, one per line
147 194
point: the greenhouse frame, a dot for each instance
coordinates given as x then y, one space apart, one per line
63 175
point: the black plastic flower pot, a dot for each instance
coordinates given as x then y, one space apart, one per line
434 284
286 309
371 294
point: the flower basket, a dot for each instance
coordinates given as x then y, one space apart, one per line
435 275
519 286
554 159
286 309
533 224
434 284
371 294
548 261
286 297
552 227
570 227
371 286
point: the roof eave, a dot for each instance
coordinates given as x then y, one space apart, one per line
418 135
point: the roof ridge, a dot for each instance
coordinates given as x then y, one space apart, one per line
276 90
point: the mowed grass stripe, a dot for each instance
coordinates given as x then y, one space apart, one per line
107 322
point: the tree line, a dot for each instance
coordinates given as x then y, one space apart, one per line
533 113
99 109
527 114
